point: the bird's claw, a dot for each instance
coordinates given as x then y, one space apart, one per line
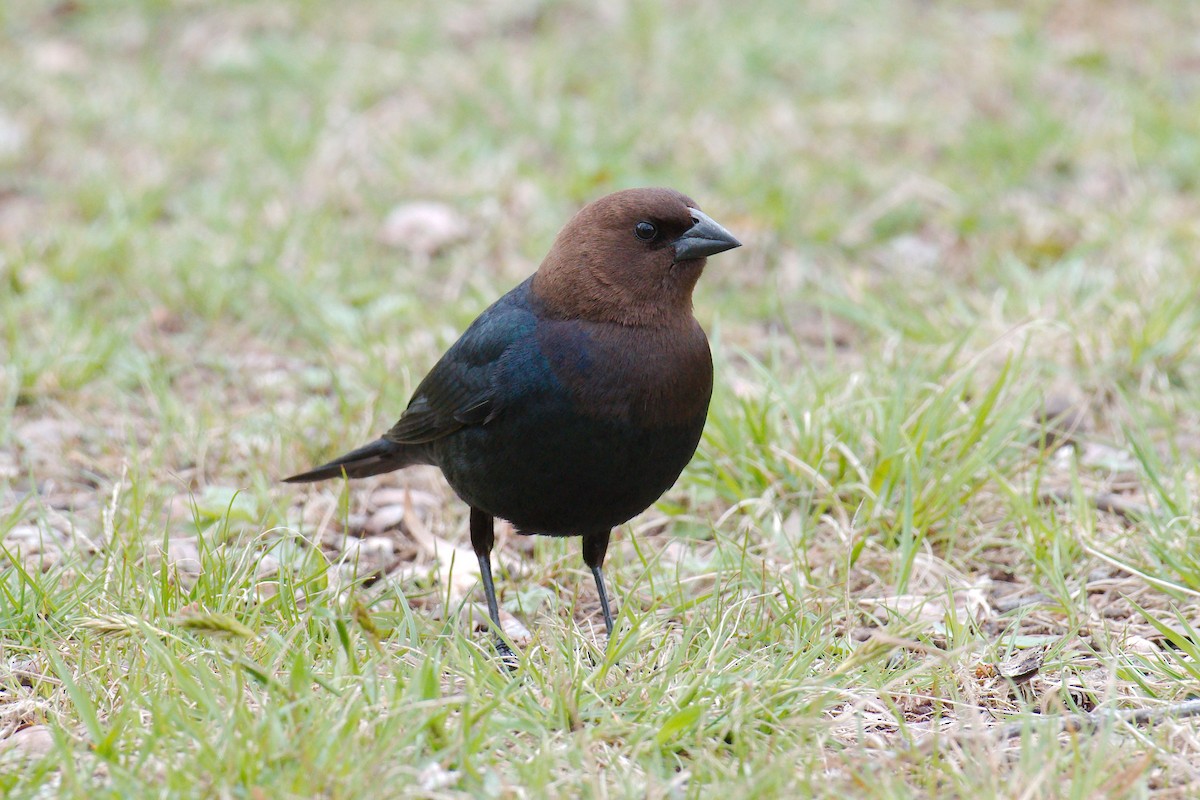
507 657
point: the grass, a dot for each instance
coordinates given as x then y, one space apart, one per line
955 216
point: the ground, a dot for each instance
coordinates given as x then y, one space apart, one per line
940 538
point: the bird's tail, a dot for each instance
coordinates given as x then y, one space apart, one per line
372 459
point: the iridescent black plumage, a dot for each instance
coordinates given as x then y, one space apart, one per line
573 402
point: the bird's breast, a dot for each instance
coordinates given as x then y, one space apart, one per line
645 377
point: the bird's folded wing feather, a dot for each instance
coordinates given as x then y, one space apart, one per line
461 388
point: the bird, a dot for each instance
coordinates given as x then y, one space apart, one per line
572 403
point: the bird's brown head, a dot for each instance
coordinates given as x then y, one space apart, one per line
632 257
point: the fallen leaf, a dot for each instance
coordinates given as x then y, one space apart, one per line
1021 667
32 742
422 227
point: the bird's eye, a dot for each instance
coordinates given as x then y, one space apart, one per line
645 230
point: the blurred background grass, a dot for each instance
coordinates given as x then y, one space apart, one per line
954 213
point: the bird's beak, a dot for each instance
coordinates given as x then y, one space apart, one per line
704 238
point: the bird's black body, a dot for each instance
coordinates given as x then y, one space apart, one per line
573 402
547 462
541 428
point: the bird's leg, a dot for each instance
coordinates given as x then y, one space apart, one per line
483 536
594 548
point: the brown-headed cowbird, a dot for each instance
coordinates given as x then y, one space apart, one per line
575 400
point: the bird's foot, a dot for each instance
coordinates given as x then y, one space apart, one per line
507 657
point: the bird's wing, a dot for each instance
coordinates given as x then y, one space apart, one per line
461 389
